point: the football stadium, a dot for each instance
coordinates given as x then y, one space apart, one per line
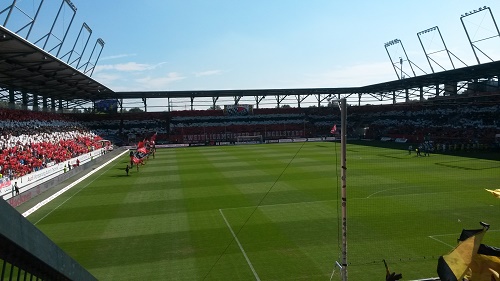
397 180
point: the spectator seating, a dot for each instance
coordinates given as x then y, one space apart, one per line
30 141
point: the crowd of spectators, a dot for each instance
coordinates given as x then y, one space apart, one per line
443 123
449 121
30 141
126 128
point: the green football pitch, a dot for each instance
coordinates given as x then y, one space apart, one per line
271 212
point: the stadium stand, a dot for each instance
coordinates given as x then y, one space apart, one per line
127 128
30 141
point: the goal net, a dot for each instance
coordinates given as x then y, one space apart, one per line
249 139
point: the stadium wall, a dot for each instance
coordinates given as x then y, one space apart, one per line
26 247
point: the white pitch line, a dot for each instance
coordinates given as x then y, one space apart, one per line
357 198
455 234
280 204
384 191
432 237
57 194
241 247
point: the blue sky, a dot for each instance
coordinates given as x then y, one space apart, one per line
238 44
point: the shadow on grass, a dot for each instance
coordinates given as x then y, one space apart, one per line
486 155
468 165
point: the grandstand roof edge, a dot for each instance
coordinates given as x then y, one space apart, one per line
28 68
468 73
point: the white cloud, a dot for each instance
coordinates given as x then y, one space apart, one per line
129 67
105 78
118 56
132 66
158 83
207 73
352 76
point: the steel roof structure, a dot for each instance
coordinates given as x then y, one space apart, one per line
421 87
450 77
27 69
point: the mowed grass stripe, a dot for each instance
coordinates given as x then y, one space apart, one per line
281 235
218 193
163 222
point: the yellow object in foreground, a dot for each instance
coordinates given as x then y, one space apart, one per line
495 192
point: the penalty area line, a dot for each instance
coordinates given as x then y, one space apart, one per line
241 247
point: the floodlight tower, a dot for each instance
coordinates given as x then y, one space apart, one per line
445 49
51 34
14 7
472 43
84 27
398 65
86 70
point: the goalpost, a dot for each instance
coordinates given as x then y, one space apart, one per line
249 139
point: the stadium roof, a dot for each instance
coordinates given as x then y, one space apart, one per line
451 77
470 73
232 93
27 68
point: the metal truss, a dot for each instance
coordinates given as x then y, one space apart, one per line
50 34
430 59
85 33
473 43
398 64
22 99
13 7
79 54
92 65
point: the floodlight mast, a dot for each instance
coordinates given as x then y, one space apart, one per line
398 42
80 55
101 43
473 46
425 52
61 41
428 55
30 23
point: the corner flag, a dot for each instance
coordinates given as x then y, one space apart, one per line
334 129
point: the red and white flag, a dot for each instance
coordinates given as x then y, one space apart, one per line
334 129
